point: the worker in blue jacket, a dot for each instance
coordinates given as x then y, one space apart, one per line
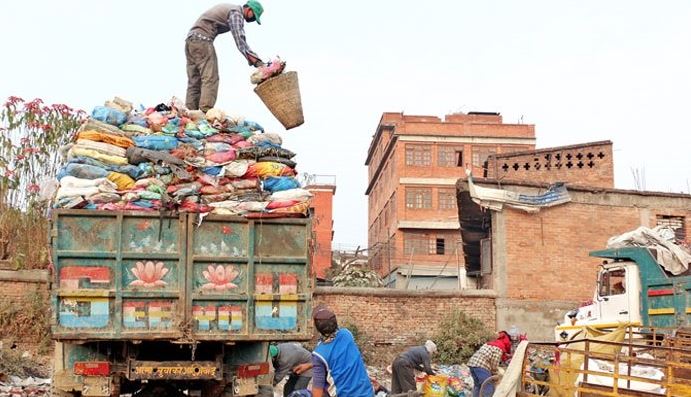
337 364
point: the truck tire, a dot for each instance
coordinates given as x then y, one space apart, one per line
213 389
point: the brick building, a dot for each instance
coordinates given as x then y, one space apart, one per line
538 263
323 188
413 164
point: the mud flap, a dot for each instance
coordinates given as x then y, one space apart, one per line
96 386
245 387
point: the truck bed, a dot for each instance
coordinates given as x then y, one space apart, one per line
147 276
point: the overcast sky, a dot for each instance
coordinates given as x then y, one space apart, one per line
579 70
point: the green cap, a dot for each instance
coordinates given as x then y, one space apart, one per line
273 351
256 8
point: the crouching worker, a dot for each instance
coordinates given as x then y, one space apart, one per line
337 358
404 366
485 361
285 358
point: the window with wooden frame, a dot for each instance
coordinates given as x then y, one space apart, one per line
415 244
418 155
449 156
418 198
447 199
481 154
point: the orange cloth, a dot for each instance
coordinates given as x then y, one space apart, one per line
121 141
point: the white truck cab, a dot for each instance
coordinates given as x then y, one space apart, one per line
616 300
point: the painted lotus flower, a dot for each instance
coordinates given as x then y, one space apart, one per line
149 274
220 278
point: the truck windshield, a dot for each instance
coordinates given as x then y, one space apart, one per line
612 282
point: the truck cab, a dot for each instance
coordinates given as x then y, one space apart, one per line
632 288
615 300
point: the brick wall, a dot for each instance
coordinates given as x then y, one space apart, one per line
588 164
20 289
392 320
547 252
18 286
540 261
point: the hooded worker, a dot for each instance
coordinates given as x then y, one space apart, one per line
485 361
202 65
404 366
337 358
285 357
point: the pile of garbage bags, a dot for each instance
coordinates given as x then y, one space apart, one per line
170 158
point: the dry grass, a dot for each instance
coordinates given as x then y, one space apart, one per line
23 238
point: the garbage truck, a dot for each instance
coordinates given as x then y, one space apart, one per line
174 304
632 288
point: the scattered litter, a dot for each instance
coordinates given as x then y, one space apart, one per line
14 386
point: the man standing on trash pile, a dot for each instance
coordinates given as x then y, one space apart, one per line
202 65
336 361
402 369
285 357
485 361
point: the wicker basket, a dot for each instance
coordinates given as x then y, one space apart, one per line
281 94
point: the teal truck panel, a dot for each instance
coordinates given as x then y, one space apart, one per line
147 276
665 298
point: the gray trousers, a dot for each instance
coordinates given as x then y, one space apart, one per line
202 74
402 376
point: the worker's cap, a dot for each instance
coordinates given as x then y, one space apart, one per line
257 9
431 347
273 351
323 313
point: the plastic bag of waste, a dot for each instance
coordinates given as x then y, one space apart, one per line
156 142
109 115
435 386
279 183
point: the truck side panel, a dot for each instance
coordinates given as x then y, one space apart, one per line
126 276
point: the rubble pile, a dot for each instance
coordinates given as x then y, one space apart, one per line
169 158
355 275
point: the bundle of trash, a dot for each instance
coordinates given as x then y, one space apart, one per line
168 157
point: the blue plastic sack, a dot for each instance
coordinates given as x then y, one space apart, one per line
131 170
83 171
161 170
109 115
196 143
213 171
139 120
279 183
156 142
246 126
89 161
